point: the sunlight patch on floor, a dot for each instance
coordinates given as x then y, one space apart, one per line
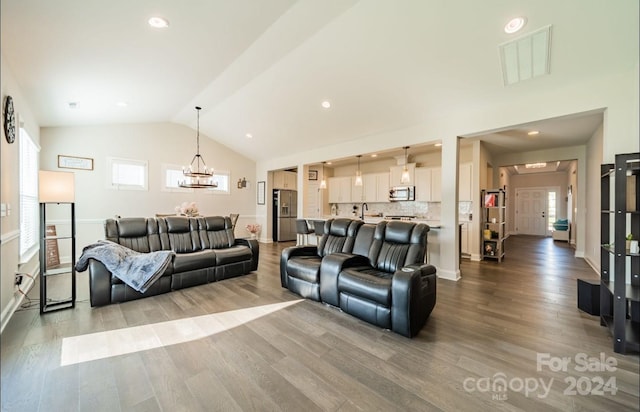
100 345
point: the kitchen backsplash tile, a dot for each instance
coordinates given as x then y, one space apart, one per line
424 210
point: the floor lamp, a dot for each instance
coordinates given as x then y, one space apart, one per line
56 188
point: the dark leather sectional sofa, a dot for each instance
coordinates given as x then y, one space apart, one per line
374 272
205 251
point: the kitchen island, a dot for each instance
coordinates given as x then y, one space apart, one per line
433 224
433 243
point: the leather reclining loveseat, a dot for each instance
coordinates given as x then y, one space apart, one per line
374 272
205 251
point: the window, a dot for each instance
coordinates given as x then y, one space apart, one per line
171 177
127 174
222 177
551 212
29 226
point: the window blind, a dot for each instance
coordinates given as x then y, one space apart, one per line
28 196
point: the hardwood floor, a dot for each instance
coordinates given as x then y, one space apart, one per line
248 344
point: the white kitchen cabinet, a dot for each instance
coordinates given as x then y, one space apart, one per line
283 179
436 184
395 175
423 184
464 238
374 189
339 189
428 184
361 193
333 188
382 185
465 194
357 192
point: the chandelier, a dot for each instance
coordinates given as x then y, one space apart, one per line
323 182
358 181
199 175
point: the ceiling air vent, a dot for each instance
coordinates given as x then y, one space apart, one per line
526 57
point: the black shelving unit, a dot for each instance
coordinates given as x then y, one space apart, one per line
493 230
66 269
619 293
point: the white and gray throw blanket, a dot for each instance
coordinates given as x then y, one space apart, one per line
138 270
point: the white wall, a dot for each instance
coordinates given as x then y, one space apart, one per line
9 195
592 194
572 210
157 143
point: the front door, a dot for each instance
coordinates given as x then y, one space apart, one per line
531 207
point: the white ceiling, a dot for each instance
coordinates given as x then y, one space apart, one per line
564 131
264 66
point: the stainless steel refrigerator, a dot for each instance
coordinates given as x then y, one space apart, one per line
285 212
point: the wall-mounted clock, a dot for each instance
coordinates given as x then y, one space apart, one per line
9 120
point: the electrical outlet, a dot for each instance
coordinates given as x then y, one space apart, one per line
18 279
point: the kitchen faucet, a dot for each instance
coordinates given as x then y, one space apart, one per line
362 209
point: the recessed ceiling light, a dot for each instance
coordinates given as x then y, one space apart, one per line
438 144
329 163
121 104
158 22
533 133
326 104
249 136
374 155
515 25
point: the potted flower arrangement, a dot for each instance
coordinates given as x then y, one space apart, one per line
187 209
253 228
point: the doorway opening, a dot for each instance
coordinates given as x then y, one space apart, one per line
536 210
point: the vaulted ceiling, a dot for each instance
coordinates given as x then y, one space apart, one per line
263 67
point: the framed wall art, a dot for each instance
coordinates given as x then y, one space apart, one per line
73 162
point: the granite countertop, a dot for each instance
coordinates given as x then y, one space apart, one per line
433 224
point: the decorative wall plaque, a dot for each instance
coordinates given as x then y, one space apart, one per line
51 252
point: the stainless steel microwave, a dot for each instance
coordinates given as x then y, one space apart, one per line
400 193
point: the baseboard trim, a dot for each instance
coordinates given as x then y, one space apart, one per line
592 264
8 312
16 301
448 274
